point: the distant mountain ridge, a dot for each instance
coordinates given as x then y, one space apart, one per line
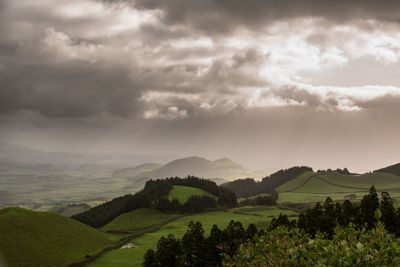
224 168
27 156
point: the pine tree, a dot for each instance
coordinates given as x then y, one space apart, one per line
150 259
339 214
193 245
349 213
169 252
327 221
233 236
251 231
214 247
369 205
388 214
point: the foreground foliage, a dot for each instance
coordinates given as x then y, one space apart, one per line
348 247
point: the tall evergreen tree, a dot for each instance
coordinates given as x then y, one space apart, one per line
169 252
193 245
327 221
369 205
251 231
388 213
349 212
150 259
233 236
339 214
213 247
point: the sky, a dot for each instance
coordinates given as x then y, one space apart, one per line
268 83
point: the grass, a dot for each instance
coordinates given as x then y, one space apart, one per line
311 187
134 256
183 193
381 181
317 185
31 238
295 183
137 220
332 183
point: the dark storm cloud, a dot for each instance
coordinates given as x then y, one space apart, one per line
76 89
225 15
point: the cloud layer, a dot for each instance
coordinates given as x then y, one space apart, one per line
153 66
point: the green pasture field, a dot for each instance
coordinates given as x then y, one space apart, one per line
137 220
296 182
183 193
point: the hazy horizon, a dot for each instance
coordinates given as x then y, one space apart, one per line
270 84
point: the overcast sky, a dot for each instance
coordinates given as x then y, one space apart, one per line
269 83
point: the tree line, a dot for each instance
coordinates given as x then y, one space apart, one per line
195 249
324 218
153 195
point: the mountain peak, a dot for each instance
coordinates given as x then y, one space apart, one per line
225 162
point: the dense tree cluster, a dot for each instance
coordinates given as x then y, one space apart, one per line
194 249
194 204
261 200
324 218
344 171
249 187
154 196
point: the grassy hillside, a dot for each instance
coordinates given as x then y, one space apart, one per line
134 256
249 187
381 181
30 238
137 220
295 183
393 169
339 183
314 187
183 193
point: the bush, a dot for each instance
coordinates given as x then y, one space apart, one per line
348 247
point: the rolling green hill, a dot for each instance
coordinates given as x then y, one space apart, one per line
336 183
296 182
333 182
31 238
137 220
183 193
314 187
392 169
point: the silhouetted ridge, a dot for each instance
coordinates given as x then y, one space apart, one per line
248 187
393 169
